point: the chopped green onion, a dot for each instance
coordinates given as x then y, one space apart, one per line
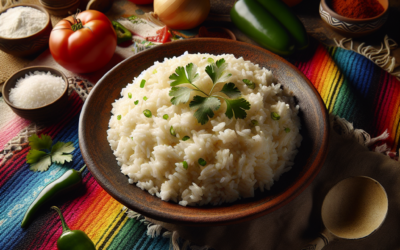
154 71
275 116
185 138
136 102
202 162
130 95
254 123
119 117
185 165
287 130
142 83
165 117
210 60
172 131
250 84
145 98
147 113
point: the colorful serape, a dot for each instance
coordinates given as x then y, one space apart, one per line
351 86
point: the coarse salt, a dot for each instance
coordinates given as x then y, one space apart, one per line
21 22
37 89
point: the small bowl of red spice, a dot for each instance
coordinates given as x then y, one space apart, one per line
354 18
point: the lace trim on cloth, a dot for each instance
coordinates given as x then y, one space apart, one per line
380 57
19 142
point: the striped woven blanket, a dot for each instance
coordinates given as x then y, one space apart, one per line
351 86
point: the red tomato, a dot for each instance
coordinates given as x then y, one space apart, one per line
141 1
87 49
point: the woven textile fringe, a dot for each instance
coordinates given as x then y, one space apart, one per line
380 57
154 230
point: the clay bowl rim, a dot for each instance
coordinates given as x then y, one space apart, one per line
171 213
32 69
27 5
55 8
325 5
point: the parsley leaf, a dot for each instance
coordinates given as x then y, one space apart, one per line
231 90
180 95
184 75
237 106
60 152
40 143
40 160
42 165
250 84
205 107
216 71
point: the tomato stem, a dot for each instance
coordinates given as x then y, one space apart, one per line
77 22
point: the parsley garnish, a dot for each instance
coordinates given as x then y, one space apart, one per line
142 83
185 165
147 113
136 102
250 84
185 138
207 104
42 154
287 130
172 131
254 122
118 117
275 116
165 117
202 162
130 95
154 71
145 98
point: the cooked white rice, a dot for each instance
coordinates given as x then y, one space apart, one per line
240 157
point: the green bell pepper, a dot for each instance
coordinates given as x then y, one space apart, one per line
289 20
72 239
261 26
123 34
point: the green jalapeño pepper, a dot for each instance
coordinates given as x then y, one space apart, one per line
289 20
72 239
261 26
123 34
69 180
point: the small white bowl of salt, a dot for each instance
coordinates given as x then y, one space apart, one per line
24 29
38 93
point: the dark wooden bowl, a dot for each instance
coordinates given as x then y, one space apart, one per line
47 113
102 164
29 45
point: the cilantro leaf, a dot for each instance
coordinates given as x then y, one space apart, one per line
180 95
42 165
34 156
237 106
184 75
40 143
216 71
205 107
60 152
231 90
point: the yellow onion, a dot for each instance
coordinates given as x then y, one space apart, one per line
182 14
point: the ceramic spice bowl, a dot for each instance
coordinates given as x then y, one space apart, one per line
60 7
352 27
29 45
46 113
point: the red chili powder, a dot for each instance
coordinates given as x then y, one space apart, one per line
359 9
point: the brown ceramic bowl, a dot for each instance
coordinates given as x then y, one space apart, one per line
102 164
351 27
47 113
60 8
29 45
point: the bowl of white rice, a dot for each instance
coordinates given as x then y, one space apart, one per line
204 131
38 93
